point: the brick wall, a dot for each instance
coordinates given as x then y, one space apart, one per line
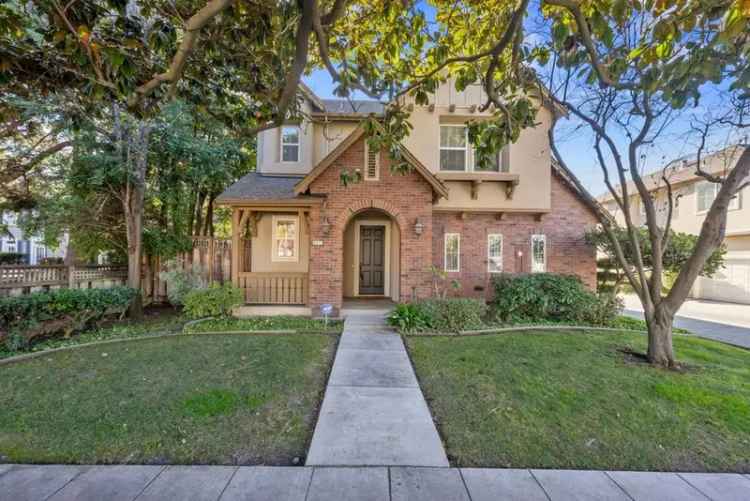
405 198
564 227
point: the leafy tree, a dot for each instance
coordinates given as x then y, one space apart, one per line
680 247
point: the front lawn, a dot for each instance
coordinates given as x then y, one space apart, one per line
573 400
278 322
224 399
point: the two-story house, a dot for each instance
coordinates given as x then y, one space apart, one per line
693 196
303 237
31 248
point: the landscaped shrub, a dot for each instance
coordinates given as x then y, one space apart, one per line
443 314
63 311
408 317
548 297
181 281
216 301
12 258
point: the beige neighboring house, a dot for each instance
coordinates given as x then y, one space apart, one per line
693 197
303 238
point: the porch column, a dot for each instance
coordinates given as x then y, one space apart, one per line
236 247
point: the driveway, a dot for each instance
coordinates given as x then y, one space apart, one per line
726 322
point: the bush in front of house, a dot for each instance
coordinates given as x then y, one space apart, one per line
62 311
12 258
439 314
549 297
181 281
215 301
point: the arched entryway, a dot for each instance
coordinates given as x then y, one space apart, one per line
372 256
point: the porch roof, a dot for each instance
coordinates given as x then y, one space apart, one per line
256 186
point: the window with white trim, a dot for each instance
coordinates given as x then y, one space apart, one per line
705 194
494 253
372 163
538 253
499 162
454 149
285 238
452 258
290 143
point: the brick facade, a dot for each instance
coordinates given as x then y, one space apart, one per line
564 227
406 198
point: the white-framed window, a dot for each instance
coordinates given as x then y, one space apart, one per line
705 194
372 163
10 245
452 258
538 253
454 147
290 143
494 253
500 162
285 241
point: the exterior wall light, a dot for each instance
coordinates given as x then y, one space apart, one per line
418 227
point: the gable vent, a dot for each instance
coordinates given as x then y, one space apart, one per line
372 164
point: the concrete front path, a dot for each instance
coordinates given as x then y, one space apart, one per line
261 483
725 322
373 412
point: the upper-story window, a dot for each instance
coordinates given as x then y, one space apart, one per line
705 194
454 151
456 155
290 143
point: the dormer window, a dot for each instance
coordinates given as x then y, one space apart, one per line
290 143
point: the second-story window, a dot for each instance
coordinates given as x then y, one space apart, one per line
454 151
706 192
290 143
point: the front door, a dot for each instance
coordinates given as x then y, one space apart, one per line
372 260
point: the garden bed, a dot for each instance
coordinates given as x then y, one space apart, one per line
575 400
180 399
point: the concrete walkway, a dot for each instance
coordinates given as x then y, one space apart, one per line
261 483
373 412
725 322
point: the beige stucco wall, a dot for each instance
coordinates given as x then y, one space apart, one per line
529 156
262 245
688 219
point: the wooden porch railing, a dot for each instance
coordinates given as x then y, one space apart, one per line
274 288
20 276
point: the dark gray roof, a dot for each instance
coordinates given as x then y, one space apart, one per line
354 106
255 186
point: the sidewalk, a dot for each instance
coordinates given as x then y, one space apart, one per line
261 483
725 322
373 412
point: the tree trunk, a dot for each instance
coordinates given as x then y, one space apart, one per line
134 228
660 351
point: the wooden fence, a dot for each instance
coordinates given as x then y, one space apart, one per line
211 257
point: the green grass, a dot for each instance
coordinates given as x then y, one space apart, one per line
279 322
572 400
195 399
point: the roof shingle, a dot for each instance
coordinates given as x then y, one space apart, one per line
256 186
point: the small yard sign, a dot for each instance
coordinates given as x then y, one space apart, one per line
326 310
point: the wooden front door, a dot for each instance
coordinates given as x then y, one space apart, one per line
372 260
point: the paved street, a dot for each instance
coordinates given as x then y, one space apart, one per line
261 483
726 322
373 412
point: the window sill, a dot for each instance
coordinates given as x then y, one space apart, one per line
477 178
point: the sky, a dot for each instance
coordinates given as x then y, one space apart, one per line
576 143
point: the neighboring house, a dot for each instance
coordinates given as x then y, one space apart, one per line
693 196
302 237
13 240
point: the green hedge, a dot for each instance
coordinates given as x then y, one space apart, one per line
62 311
215 301
442 315
548 297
